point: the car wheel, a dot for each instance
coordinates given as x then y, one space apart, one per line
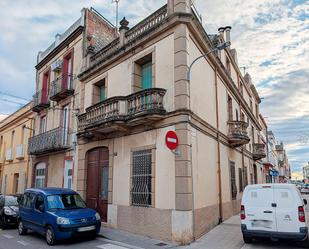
50 236
247 240
21 229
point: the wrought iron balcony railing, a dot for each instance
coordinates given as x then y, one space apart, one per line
40 101
259 151
122 110
238 133
54 140
62 87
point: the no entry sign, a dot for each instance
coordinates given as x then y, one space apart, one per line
171 140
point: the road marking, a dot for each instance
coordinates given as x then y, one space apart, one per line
24 243
111 246
8 236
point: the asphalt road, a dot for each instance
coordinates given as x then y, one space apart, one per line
10 239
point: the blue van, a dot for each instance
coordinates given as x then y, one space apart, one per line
57 214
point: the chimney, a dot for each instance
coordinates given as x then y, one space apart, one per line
228 33
178 6
221 31
122 30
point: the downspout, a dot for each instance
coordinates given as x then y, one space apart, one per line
218 151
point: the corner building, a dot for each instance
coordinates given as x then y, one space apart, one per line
133 91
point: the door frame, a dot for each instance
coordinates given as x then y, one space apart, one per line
100 177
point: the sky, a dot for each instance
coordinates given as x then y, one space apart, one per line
271 38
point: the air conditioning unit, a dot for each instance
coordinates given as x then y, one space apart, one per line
20 151
9 155
56 65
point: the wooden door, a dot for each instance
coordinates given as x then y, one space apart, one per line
97 181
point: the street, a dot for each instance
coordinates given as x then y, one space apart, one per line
226 235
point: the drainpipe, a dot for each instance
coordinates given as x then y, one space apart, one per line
218 152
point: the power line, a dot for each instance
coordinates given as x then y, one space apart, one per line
14 96
11 101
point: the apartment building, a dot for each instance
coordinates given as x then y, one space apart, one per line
57 99
15 130
283 163
135 93
306 173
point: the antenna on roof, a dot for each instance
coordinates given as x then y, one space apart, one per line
117 3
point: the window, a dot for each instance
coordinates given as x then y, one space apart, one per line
141 189
65 201
229 108
45 88
43 124
67 72
24 135
245 176
28 200
233 180
241 88
251 105
240 179
143 73
236 114
242 116
15 183
228 65
65 124
40 172
252 134
12 138
99 91
39 202
68 174
257 110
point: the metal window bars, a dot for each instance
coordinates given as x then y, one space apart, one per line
141 189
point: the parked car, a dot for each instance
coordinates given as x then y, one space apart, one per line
8 210
305 189
57 214
275 211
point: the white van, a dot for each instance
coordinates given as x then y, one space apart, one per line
273 210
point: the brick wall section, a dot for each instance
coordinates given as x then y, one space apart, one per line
99 30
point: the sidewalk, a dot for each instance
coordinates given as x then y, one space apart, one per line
132 241
225 235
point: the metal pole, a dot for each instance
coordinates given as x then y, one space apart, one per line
201 56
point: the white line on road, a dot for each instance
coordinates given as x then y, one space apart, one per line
8 236
24 243
124 245
110 246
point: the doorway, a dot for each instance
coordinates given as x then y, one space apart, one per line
97 180
68 174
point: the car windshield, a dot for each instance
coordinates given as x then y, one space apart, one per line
65 201
11 201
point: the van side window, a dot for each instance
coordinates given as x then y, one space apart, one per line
39 202
28 200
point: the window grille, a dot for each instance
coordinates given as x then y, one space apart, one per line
233 180
141 190
240 180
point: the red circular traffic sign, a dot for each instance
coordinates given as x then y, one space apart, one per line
171 140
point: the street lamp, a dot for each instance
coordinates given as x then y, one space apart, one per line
217 48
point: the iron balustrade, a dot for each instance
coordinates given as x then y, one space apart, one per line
238 133
62 87
52 140
259 151
123 108
40 100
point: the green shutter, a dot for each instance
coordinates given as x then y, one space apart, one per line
147 75
102 93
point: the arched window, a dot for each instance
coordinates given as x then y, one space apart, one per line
40 172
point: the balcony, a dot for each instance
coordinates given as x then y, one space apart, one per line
258 152
51 141
238 133
61 88
123 111
40 101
